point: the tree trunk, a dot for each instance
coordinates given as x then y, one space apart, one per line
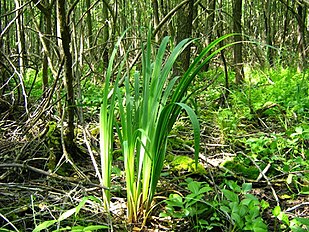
46 11
105 35
269 41
301 38
48 32
155 7
210 25
1 37
238 59
20 38
89 24
184 30
68 72
285 23
225 95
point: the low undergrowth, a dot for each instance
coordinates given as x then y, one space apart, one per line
253 171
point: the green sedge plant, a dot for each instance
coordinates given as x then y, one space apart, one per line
144 123
147 108
106 121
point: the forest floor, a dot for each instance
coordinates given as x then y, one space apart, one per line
269 150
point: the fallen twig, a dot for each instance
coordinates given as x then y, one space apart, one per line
53 175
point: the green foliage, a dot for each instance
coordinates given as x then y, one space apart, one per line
192 205
284 87
287 151
66 215
277 95
276 99
148 107
33 83
146 118
238 207
106 128
296 224
243 208
91 99
228 121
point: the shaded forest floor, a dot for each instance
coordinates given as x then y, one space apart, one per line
260 136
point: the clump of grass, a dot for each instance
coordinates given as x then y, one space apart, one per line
148 107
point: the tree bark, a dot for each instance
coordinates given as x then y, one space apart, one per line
210 25
1 38
155 7
225 95
89 24
184 30
105 34
68 72
20 38
46 10
285 22
269 40
301 48
238 58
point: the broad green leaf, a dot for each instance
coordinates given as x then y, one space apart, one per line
243 210
248 227
259 226
246 201
283 217
175 200
204 190
225 209
203 222
233 186
231 196
252 198
234 206
192 199
303 221
254 211
299 224
298 229
163 215
44 225
246 187
264 204
276 211
237 218
194 186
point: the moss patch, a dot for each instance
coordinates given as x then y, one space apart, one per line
250 172
185 164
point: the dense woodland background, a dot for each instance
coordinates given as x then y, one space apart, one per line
251 99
